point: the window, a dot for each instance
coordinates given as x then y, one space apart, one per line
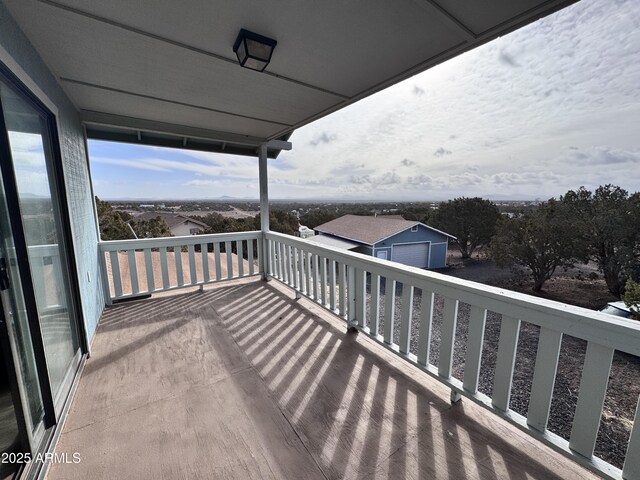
414 229
194 231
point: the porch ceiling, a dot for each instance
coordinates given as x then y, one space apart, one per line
161 67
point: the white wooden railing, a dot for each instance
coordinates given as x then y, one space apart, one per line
337 280
170 263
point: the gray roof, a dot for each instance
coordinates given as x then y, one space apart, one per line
172 219
369 230
333 242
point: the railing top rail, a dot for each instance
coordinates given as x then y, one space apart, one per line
141 243
620 334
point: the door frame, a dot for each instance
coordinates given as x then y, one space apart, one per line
51 145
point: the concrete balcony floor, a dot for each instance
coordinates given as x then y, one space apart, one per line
244 382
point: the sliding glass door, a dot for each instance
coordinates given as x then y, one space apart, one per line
39 335
21 403
29 144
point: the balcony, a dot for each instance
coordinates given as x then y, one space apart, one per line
261 380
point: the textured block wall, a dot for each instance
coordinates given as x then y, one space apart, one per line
15 47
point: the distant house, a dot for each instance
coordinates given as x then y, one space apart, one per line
180 225
389 238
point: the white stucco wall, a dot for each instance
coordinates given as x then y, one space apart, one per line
17 53
185 229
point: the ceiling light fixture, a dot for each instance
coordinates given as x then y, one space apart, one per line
253 51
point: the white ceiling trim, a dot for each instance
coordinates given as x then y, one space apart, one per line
138 124
167 100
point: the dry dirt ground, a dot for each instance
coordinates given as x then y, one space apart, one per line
581 286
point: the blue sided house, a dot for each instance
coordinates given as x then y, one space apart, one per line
387 237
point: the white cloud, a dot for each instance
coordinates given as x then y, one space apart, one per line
123 162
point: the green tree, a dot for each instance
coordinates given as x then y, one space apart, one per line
316 217
631 297
611 219
152 228
219 224
112 223
471 220
541 240
280 221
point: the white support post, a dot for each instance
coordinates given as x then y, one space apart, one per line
264 198
264 207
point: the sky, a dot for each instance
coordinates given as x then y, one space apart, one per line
548 108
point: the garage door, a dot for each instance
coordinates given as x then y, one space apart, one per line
414 254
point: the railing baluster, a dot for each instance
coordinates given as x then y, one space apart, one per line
204 253
192 264
37 273
301 270
374 306
316 278
448 337
426 320
250 254
55 259
295 268
544 377
133 271
351 294
475 340
507 345
332 285
276 260
293 274
229 254
177 254
271 257
389 309
405 319
593 387
284 271
631 468
240 258
164 268
282 263
216 256
342 279
148 266
308 269
259 252
115 273
290 270
361 296
323 280
284 268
